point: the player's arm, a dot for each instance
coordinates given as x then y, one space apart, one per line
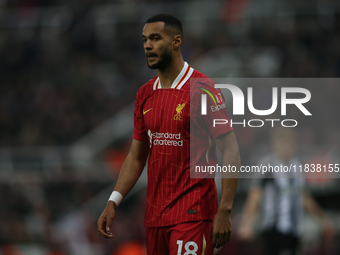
221 230
251 207
131 170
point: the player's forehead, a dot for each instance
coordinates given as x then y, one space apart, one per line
154 28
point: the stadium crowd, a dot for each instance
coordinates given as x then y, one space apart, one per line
57 87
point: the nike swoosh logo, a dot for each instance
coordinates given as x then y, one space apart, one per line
144 112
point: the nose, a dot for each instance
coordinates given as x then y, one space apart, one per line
147 45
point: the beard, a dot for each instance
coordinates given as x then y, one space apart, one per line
163 62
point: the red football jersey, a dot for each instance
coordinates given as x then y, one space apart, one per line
162 117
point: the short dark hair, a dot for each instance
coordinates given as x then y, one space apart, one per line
169 20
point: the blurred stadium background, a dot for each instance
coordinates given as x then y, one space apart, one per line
69 73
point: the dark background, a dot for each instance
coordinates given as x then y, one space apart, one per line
69 72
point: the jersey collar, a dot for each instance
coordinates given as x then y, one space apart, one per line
180 80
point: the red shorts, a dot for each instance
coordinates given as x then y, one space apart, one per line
187 238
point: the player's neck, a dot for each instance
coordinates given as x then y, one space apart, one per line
169 74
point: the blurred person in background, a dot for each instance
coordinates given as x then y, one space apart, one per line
284 198
182 216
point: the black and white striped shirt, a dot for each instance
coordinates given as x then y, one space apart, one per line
282 204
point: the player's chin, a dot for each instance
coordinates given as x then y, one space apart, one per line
152 65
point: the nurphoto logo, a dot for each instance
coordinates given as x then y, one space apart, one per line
239 105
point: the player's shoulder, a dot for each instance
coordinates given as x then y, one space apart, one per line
146 89
198 74
199 79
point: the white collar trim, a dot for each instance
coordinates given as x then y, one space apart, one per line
180 80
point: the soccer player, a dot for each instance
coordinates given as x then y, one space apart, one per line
182 216
284 198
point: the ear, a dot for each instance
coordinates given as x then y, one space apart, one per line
177 42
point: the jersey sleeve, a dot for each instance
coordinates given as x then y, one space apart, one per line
139 132
216 110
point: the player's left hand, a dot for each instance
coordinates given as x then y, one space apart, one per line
221 229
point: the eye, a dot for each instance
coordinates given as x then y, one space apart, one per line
155 39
